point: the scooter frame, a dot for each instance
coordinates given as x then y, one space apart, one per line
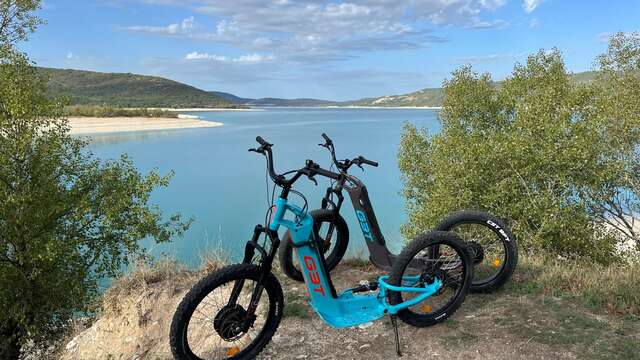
379 254
347 308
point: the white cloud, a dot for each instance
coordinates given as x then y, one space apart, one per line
492 4
186 26
491 58
312 31
534 23
530 5
603 37
347 10
72 56
248 58
481 24
204 56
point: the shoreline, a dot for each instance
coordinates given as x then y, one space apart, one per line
385 107
94 125
264 108
204 109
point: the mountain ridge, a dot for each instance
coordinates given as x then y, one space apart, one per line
84 87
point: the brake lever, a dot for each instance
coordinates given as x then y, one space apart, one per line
360 166
313 179
259 151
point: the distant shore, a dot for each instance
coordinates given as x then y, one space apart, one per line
94 125
384 107
203 109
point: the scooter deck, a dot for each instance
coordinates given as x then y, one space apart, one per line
353 310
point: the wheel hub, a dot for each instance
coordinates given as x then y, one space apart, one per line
230 322
476 251
429 276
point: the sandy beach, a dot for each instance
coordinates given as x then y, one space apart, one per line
91 125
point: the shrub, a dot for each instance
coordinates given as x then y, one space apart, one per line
556 158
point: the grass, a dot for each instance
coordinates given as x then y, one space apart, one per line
614 288
359 263
111 111
560 323
295 305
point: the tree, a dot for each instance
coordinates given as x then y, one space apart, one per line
557 158
17 21
67 219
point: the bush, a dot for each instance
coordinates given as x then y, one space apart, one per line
110 111
556 158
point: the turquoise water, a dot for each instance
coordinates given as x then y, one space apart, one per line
222 185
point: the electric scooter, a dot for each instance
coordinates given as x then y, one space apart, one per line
489 240
234 312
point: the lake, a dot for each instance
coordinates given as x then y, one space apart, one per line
222 185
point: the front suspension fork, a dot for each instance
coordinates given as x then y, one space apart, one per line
265 262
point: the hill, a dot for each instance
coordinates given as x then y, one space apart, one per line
128 90
424 97
231 98
266 102
289 102
433 96
131 90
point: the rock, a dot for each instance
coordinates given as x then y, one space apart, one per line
365 325
72 344
364 347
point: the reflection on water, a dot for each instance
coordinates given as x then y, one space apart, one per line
118 137
222 185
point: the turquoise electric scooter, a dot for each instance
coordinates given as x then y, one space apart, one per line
233 312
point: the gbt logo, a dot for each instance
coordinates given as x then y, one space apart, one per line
314 277
366 231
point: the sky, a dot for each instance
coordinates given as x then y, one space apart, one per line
335 50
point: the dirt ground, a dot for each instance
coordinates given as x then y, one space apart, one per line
518 322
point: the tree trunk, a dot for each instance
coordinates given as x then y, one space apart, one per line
9 341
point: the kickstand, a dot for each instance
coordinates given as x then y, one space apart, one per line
394 323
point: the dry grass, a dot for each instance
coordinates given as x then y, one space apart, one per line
213 259
614 288
141 278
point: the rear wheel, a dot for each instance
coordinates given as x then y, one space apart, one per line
209 325
452 267
332 240
491 244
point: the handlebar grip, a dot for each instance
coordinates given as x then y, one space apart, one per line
261 141
326 138
369 162
361 160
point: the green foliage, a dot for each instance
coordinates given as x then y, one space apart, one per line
127 90
17 22
556 157
66 218
110 111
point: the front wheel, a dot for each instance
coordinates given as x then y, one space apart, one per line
492 246
216 321
452 267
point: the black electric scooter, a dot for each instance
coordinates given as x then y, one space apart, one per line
490 242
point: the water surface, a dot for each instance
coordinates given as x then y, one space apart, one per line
222 185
